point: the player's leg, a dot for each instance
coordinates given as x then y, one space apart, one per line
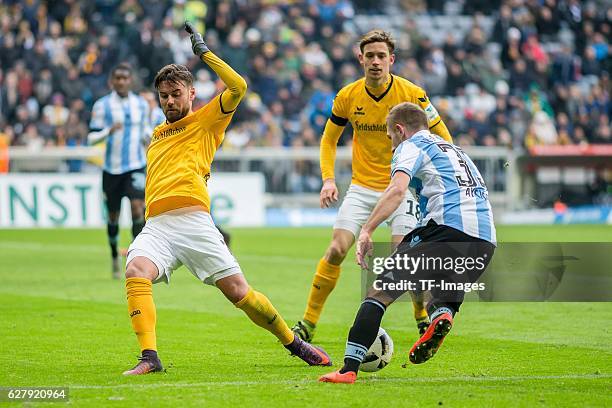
261 312
419 304
112 199
138 221
149 259
445 302
205 254
324 282
403 221
139 274
361 336
135 191
354 211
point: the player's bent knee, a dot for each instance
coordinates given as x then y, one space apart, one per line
137 207
141 267
381 296
234 287
113 217
336 252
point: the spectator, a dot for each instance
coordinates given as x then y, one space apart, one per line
541 131
57 113
31 139
44 86
290 52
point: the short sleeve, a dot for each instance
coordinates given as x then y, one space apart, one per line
97 121
407 158
433 117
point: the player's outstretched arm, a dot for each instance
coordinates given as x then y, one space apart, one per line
99 134
236 85
388 202
327 158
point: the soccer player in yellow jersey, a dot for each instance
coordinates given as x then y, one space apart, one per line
179 229
365 103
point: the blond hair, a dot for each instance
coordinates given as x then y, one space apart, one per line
409 115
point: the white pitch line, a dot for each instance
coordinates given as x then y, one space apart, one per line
364 380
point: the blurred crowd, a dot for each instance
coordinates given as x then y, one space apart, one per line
537 74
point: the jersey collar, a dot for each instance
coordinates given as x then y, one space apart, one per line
116 95
379 98
423 132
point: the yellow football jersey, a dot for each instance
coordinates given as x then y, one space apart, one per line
368 114
179 159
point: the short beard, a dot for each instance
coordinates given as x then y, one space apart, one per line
181 115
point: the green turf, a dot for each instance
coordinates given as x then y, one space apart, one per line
64 323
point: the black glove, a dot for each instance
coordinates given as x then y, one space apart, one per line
198 45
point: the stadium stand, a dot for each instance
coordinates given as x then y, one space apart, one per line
514 73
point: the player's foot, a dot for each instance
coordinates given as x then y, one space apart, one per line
430 342
422 325
116 268
314 356
336 377
304 330
148 363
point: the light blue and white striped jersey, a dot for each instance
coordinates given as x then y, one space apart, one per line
157 117
452 190
125 148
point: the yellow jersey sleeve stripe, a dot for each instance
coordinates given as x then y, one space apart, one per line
337 120
436 124
221 105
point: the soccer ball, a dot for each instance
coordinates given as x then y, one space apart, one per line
379 354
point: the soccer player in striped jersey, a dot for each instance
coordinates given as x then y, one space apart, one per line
457 224
179 229
122 120
365 103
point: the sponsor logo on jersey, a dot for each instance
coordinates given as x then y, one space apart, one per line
359 111
371 127
159 135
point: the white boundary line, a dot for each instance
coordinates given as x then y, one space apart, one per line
365 380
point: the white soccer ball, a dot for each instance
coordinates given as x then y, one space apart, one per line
379 354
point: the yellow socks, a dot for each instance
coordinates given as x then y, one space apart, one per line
418 304
322 285
142 311
259 309
420 311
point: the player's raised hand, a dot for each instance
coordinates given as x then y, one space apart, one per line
364 249
198 45
329 193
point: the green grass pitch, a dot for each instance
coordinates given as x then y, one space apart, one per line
63 322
